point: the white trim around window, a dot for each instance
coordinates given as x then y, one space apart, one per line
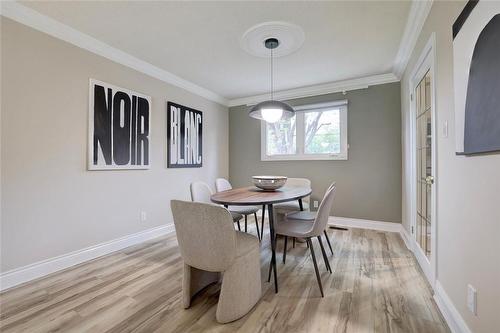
300 129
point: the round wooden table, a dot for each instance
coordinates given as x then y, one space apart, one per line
252 196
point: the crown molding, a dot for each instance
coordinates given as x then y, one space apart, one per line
319 89
29 17
419 11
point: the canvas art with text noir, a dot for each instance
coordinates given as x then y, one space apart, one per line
184 136
119 128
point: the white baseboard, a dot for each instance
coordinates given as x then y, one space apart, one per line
406 237
364 224
453 318
372 225
30 272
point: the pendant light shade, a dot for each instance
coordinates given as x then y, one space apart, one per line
271 111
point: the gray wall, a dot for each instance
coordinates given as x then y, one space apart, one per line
51 204
369 182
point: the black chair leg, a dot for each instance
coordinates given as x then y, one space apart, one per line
245 223
328 241
239 226
315 266
257 225
293 243
284 249
325 258
262 222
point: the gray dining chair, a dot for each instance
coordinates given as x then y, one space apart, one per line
308 229
281 209
310 216
211 249
292 206
201 192
222 184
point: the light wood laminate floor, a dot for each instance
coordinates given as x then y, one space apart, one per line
376 286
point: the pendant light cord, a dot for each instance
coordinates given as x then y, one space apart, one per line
272 78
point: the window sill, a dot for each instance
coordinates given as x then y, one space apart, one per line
304 158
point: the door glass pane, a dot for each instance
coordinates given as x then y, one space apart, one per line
417 101
419 196
424 200
422 97
423 150
423 243
428 203
428 240
418 235
428 143
424 164
428 91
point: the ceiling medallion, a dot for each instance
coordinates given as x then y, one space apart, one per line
290 36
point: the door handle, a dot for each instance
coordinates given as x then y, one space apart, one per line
429 180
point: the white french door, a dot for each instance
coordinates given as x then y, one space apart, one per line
423 124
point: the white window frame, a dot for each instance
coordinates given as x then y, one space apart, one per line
301 155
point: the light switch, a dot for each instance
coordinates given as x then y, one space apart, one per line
472 299
445 129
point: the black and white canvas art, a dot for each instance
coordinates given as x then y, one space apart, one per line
184 136
476 66
119 128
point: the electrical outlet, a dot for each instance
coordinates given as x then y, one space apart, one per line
316 203
144 216
472 299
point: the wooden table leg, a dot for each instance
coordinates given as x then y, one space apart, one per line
272 265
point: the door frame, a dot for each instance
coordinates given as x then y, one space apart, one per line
425 63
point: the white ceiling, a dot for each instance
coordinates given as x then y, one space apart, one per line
199 41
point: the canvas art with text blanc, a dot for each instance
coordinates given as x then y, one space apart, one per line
184 136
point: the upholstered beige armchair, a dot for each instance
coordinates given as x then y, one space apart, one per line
210 246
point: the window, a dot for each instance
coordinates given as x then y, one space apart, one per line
316 132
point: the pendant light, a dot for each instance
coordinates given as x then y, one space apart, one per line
271 111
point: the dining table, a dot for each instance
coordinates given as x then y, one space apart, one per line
253 196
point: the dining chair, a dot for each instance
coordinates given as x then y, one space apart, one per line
310 216
308 229
211 248
291 206
201 192
282 209
222 184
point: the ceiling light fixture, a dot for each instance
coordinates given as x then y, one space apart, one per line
271 111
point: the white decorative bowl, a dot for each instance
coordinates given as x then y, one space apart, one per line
269 183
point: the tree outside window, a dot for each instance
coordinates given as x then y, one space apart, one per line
316 132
